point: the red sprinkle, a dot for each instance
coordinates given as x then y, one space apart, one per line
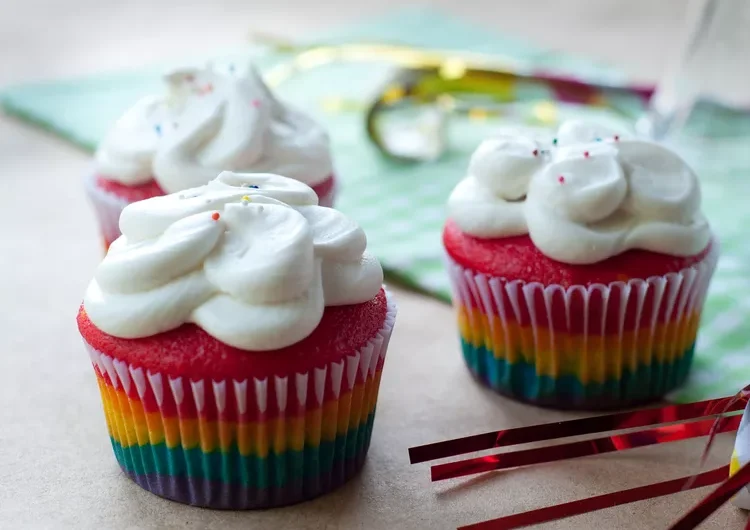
256 103
617 138
215 216
535 152
561 179
586 154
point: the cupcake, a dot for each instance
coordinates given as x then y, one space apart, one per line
238 331
579 267
208 120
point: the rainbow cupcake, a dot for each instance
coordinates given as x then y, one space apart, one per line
579 267
238 333
209 120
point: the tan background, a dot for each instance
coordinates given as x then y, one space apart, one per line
56 467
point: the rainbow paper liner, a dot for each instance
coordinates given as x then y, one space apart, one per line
108 207
261 443
741 456
586 347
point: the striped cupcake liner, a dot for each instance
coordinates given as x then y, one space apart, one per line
589 347
248 444
108 207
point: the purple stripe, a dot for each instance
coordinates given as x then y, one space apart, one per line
224 496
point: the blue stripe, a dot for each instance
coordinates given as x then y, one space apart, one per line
520 380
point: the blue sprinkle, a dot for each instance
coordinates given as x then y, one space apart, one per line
598 139
252 186
157 128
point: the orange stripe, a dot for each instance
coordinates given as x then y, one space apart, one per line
590 357
129 424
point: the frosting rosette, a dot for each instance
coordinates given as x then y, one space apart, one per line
208 120
585 197
126 153
250 258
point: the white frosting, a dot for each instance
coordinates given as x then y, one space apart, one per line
588 197
209 121
127 151
574 132
254 267
505 164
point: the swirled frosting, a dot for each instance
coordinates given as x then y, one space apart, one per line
126 153
587 196
208 121
250 258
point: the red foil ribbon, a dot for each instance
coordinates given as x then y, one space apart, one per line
714 500
608 444
590 504
565 429
682 429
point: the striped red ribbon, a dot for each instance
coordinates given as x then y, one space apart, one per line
686 421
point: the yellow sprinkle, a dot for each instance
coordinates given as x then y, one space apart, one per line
246 198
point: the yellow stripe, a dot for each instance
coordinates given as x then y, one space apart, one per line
591 358
129 424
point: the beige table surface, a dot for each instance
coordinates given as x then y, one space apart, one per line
56 466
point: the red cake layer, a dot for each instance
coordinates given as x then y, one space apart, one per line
324 188
189 351
152 189
130 193
517 258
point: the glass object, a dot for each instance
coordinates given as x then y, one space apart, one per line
705 93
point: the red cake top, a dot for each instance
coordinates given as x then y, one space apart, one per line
131 193
518 258
189 351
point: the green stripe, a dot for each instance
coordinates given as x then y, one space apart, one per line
252 471
647 382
